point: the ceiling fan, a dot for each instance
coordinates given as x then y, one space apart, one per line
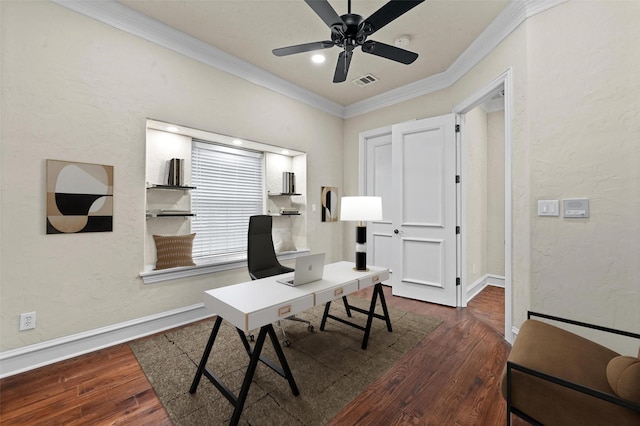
351 30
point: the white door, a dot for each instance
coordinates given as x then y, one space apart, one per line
377 146
424 209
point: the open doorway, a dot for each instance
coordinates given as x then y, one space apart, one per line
485 207
483 163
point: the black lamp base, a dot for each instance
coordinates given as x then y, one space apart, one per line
361 248
361 261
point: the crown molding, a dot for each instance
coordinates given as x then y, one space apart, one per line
504 24
135 23
126 19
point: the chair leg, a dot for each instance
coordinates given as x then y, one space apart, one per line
285 339
286 342
295 318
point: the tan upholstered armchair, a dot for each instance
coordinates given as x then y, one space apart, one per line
555 377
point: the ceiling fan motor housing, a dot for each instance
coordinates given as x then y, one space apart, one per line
351 34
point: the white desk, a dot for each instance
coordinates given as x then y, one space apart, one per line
257 304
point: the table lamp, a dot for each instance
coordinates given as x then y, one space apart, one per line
361 209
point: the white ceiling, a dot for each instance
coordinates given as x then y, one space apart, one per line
440 31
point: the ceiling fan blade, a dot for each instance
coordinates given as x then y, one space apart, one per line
300 48
342 67
388 13
389 52
323 9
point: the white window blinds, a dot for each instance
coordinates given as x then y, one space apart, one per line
229 189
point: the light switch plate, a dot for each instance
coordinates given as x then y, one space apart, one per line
548 208
575 208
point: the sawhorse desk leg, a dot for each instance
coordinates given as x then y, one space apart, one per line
254 356
377 293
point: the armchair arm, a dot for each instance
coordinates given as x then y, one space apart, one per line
583 324
571 385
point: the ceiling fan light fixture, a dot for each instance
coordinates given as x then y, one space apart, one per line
318 58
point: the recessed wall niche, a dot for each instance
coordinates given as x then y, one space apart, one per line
163 145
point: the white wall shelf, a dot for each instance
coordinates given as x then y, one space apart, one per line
171 187
162 213
168 213
283 194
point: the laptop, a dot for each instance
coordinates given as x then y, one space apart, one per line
308 269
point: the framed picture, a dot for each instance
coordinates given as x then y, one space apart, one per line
79 197
329 202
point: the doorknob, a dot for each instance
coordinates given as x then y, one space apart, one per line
395 231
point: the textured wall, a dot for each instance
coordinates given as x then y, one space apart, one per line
75 89
575 133
584 99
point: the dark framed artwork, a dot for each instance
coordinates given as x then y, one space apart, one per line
329 202
79 197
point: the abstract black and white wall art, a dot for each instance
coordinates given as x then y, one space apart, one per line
79 197
329 201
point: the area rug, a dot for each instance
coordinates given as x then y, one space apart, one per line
329 367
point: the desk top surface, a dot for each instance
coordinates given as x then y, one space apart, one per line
252 296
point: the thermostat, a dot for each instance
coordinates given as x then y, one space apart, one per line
575 208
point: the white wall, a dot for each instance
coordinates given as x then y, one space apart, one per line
476 203
495 193
584 133
575 133
483 175
75 89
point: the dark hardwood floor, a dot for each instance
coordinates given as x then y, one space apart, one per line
450 378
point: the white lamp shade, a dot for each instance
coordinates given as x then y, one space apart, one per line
360 208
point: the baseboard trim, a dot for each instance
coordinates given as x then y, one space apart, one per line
480 284
515 331
30 357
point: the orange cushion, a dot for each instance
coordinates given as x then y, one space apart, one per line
174 251
623 373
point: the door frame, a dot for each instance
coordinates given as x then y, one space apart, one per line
505 81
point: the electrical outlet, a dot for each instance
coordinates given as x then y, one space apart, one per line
27 321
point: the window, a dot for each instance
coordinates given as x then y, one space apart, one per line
232 178
229 189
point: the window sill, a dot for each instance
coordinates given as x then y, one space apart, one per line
152 277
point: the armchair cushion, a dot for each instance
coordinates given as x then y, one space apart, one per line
560 353
623 373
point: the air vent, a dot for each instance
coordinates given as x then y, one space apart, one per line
365 80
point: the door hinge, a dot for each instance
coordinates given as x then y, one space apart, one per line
457 128
457 229
457 178
457 281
